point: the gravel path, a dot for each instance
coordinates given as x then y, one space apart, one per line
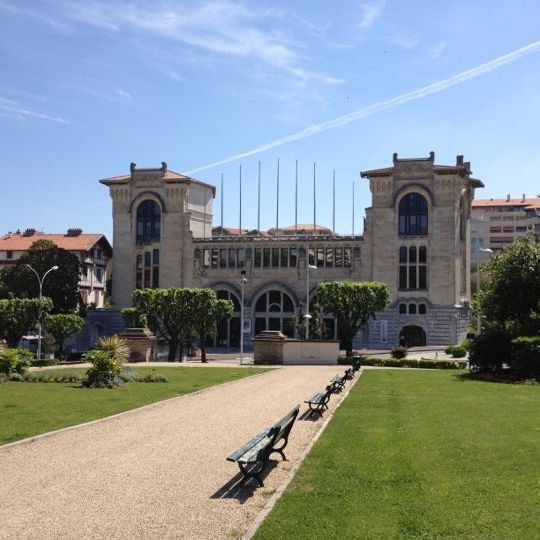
159 472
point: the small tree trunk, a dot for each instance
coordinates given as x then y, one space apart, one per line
348 347
173 347
203 346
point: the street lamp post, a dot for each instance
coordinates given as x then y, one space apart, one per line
307 316
478 316
243 281
40 281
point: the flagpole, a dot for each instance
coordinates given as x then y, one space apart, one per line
334 202
259 200
240 208
296 197
277 199
314 200
221 233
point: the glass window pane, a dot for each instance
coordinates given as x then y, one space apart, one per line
330 257
347 257
402 254
155 277
275 257
402 277
215 258
241 257
422 254
261 303
293 257
339 257
320 257
422 309
258 257
412 254
402 308
266 257
274 297
287 304
147 258
223 258
155 256
206 258
312 256
412 277
412 309
232 257
284 257
422 278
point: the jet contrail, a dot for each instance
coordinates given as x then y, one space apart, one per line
383 105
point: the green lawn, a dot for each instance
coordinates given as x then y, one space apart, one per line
420 455
28 409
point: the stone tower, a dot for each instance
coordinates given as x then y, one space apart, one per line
416 239
156 215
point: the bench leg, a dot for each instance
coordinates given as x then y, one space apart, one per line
254 472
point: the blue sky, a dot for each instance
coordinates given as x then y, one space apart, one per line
87 87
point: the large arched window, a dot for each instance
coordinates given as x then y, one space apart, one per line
413 215
148 222
274 310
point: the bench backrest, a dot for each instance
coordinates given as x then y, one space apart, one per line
283 426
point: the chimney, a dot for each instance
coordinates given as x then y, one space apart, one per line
523 198
459 160
508 197
29 232
74 232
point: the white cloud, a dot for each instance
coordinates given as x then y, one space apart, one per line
371 10
225 28
124 94
436 51
12 108
414 95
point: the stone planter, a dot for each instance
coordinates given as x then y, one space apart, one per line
142 344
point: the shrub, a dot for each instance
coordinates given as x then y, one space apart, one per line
105 371
413 363
43 362
399 352
3 378
490 351
526 355
457 351
45 378
154 377
16 377
348 360
14 361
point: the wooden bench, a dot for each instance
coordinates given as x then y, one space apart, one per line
339 380
253 456
356 364
319 401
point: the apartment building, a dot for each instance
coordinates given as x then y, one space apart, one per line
93 251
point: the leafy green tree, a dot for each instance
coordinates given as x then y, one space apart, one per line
353 303
169 312
20 315
61 326
133 318
511 298
61 286
207 311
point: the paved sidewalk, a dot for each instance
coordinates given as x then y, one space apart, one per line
159 472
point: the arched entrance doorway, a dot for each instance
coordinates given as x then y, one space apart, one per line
412 336
227 331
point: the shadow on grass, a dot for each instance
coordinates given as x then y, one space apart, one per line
242 491
498 378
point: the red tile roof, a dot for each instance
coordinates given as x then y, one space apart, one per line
526 203
82 242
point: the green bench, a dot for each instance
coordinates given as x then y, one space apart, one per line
319 401
252 458
339 380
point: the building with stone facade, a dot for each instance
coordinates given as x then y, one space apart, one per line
416 239
497 223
